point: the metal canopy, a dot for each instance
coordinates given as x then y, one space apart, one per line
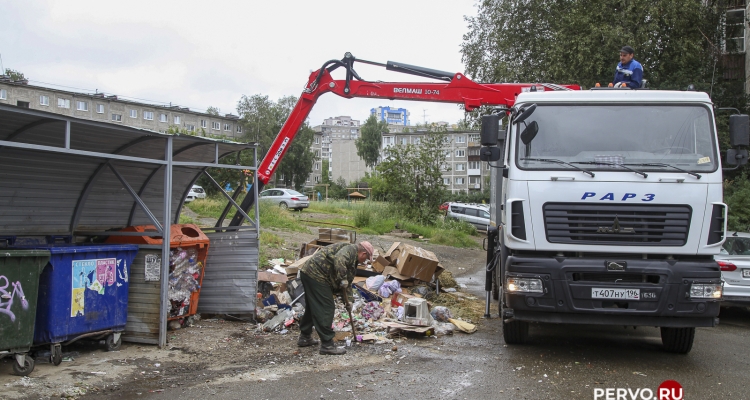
69 176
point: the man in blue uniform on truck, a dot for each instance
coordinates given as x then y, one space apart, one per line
629 72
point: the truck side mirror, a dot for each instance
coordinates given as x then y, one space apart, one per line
529 133
489 153
490 132
739 130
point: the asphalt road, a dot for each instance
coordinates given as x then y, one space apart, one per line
561 362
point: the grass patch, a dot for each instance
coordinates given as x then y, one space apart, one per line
269 241
271 216
184 219
470 310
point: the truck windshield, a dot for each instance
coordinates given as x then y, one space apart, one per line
680 136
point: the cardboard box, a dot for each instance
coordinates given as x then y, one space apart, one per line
309 249
415 262
380 263
271 277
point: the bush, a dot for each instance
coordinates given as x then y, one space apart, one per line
362 217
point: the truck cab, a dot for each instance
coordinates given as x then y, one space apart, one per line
608 209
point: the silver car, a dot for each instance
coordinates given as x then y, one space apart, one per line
734 261
196 192
475 214
285 198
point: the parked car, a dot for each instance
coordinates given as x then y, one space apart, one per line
734 261
285 198
475 214
196 192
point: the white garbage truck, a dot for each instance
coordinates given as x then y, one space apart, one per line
606 208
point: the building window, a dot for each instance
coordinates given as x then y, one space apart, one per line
446 181
317 179
444 167
447 154
134 114
3 94
239 130
473 164
460 153
216 125
460 167
63 103
735 31
44 100
100 108
387 140
461 139
177 120
191 128
459 181
148 115
317 166
404 141
317 140
317 153
474 180
417 140
162 117
227 127
474 138
117 117
473 152
204 124
82 105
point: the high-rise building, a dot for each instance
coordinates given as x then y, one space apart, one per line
393 116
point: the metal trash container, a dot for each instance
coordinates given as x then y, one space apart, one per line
19 285
83 293
188 252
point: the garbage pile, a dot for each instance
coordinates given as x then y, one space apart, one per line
389 296
184 276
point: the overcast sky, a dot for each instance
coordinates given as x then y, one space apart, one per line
209 53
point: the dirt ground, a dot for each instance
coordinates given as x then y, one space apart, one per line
213 352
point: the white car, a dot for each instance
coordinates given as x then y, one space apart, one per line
734 261
475 214
196 192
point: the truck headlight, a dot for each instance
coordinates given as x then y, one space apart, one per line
525 285
706 291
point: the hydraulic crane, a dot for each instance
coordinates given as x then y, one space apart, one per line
458 89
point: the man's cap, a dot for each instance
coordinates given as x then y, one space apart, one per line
627 49
368 248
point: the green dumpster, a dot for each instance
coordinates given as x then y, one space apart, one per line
19 285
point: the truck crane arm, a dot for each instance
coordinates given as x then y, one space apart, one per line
458 89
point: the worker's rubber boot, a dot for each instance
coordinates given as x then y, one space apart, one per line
306 340
330 348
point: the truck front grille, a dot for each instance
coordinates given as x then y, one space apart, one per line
629 225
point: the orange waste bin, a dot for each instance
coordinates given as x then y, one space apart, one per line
188 251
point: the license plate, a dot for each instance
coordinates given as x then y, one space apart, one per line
746 273
616 294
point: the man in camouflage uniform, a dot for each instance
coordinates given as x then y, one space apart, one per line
331 269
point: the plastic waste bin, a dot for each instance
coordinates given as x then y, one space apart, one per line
83 293
19 285
188 251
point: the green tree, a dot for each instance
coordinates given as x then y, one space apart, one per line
369 141
15 75
413 176
325 178
297 163
211 110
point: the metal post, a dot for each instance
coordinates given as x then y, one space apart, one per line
255 191
167 230
67 134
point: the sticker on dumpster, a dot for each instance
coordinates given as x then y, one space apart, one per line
6 298
123 274
153 268
84 275
105 271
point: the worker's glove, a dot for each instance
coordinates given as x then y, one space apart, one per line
344 284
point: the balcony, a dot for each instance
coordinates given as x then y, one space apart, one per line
474 172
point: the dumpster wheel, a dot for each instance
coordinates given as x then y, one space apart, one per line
26 368
112 344
56 354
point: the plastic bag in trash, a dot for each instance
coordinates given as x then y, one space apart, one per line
441 313
389 288
400 313
262 315
443 328
374 282
372 310
420 290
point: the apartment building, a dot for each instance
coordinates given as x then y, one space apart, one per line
109 108
335 141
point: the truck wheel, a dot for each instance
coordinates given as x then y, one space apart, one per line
26 368
677 340
515 332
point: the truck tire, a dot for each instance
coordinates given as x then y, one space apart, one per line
515 332
677 340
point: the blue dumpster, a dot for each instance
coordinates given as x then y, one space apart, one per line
83 293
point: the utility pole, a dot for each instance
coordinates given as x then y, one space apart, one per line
424 116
